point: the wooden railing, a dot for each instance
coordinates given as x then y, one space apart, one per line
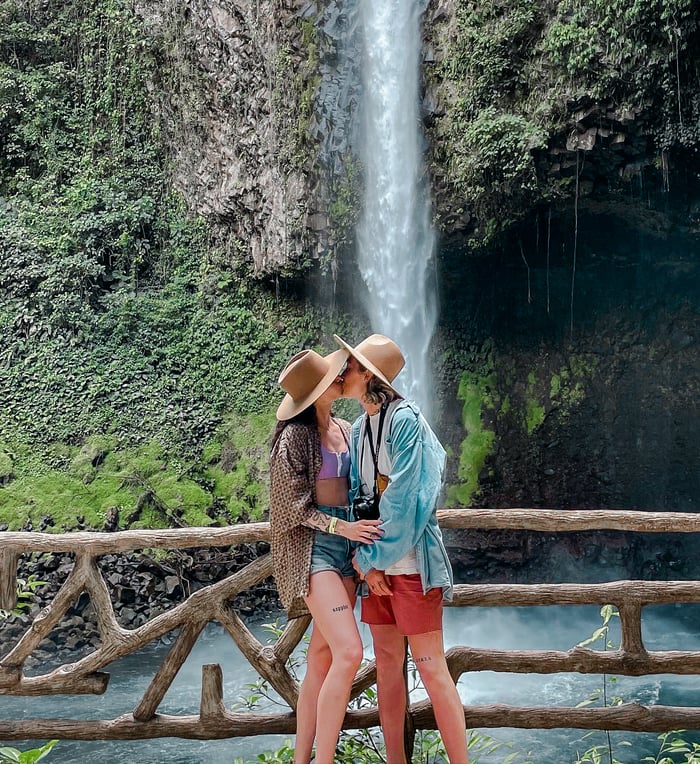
213 604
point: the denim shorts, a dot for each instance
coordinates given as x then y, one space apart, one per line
330 551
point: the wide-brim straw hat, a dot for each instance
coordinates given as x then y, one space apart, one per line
305 378
379 354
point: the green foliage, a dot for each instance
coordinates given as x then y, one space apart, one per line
479 394
292 116
25 596
534 412
148 485
15 756
79 176
6 467
671 743
237 464
518 74
347 193
492 160
600 45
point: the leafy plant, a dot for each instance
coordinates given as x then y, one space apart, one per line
671 743
15 756
26 588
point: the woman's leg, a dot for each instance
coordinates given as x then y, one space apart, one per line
389 652
429 656
318 661
330 601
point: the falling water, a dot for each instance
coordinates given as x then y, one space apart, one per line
395 237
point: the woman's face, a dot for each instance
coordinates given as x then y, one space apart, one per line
333 392
354 380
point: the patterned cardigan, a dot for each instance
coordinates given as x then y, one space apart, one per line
295 462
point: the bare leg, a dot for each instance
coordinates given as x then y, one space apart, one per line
330 601
391 689
318 658
429 655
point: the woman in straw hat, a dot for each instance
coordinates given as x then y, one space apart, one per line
397 463
311 542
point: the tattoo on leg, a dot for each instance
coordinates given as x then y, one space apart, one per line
340 608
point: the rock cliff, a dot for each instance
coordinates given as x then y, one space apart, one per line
234 82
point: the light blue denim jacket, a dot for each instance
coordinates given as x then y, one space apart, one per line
408 504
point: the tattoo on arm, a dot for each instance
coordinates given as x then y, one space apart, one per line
424 659
340 608
317 520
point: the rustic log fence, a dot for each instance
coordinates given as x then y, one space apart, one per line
212 603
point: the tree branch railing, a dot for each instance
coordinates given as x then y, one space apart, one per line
213 604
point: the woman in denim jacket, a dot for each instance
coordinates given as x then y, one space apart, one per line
398 463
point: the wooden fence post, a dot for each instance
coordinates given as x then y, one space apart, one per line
8 579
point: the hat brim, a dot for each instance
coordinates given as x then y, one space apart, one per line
290 407
365 362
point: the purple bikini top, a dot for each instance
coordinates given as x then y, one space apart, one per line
334 464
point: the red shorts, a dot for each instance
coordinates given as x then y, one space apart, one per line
409 609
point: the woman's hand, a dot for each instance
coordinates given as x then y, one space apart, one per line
376 580
364 531
378 583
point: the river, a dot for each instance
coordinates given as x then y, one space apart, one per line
668 627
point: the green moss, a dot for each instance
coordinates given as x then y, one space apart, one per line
554 386
534 410
583 365
63 497
478 395
516 75
6 466
240 478
151 517
81 483
534 415
93 452
567 388
211 452
476 447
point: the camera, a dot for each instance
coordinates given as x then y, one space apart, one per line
366 507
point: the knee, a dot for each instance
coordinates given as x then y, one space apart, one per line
349 655
434 673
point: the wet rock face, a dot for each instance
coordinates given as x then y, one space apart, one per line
586 557
229 106
589 382
257 101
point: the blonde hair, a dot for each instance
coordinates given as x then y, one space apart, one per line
377 392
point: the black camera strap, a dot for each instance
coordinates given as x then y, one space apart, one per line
375 451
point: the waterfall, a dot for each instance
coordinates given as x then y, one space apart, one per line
395 236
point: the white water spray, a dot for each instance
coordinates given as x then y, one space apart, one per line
395 236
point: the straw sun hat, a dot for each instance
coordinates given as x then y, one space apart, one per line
379 354
305 378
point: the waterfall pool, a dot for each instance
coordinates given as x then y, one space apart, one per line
668 627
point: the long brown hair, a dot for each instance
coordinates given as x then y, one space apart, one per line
306 417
